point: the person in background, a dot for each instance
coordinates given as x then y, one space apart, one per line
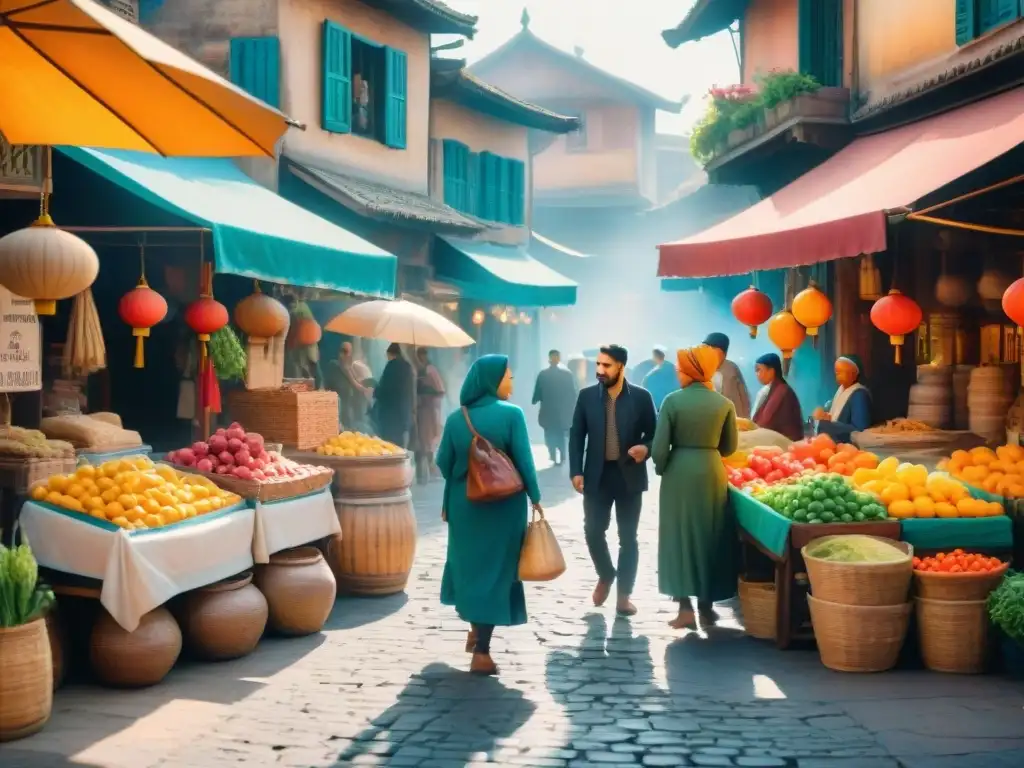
646 366
353 397
661 381
556 392
481 572
430 392
394 399
609 442
729 380
849 410
776 406
696 535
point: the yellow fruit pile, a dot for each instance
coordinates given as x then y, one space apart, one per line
1000 471
358 444
909 490
134 493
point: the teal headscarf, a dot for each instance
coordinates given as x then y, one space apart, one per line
483 379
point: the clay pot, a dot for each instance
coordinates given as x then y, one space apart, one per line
26 680
300 591
123 659
374 553
224 620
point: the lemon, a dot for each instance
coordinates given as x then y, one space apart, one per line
114 509
39 492
54 497
122 522
128 500
99 514
57 483
216 502
86 471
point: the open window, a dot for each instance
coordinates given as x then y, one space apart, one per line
367 89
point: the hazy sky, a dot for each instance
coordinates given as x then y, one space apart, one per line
621 36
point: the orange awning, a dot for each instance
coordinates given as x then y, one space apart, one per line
839 209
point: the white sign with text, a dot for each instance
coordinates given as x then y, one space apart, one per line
21 360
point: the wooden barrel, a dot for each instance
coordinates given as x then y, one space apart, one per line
373 475
989 396
374 553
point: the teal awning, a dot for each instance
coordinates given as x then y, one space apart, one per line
500 274
256 233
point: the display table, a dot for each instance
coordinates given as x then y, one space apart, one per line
141 570
293 522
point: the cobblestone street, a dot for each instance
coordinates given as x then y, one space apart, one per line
386 685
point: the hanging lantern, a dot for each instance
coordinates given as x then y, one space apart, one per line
306 332
46 264
1013 302
812 309
953 291
261 317
752 307
786 334
142 308
205 316
870 279
896 315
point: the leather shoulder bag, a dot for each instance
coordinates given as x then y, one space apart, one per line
491 475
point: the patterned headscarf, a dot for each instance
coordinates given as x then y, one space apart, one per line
699 363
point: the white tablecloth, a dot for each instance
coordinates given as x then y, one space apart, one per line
143 569
293 522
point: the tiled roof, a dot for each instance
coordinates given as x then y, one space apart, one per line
429 16
382 202
964 62
706 17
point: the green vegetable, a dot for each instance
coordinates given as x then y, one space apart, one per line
855 548
228 355
1006 606
22 598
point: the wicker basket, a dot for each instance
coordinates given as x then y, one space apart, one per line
265 492
957 586
953 634
859 638
758 604
301 420
861 583
26 680
19 475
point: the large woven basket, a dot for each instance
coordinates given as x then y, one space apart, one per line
26 680
758 604
957 586
953 634
859 638
19 475
301 420
861 583
265 492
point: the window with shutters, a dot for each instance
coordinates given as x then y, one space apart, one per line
976 17
485 185
821 40
456 174
364 87
255 67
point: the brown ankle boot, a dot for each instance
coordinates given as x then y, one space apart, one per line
483 664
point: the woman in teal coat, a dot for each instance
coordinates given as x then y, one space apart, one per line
481 574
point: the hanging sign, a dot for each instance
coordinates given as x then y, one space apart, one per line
21 362
21 168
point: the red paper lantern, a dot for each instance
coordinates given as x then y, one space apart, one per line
897 315
142 308
205 316
752 307
1013 301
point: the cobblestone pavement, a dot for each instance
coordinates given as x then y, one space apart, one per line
385 685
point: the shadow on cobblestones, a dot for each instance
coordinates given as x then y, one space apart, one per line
444 714
354 612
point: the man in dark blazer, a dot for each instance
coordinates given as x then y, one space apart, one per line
609 442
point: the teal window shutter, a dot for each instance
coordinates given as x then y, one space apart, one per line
965 22
336 115
396 78
504 190
820 36
517 189
487 208
456 167
472 183
255 67
991 14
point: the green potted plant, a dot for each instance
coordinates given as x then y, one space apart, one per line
786 94
26 668
1006 609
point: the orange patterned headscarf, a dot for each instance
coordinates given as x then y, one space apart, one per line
699 363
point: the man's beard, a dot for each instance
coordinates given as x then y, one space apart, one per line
608 381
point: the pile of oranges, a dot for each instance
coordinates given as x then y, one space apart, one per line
910 490
841 459
958 561
1000 471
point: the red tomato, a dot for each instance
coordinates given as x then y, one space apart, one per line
773 477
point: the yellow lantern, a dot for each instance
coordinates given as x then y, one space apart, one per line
786 334
46 264
812 309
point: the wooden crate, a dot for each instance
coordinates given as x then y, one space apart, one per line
301 420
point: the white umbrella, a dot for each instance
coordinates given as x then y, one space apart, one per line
401 322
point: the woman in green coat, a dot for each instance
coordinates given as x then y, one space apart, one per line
696 535
481 574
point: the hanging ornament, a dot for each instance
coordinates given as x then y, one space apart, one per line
1013 302
46 264
786 334
142 308
205 315
812 309
752 307
307 332
896 315
261 317
870 279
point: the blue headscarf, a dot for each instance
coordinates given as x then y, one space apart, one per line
483 379
771 360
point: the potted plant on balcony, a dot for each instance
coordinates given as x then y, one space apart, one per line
733 117
1006 609
26 669
786 94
